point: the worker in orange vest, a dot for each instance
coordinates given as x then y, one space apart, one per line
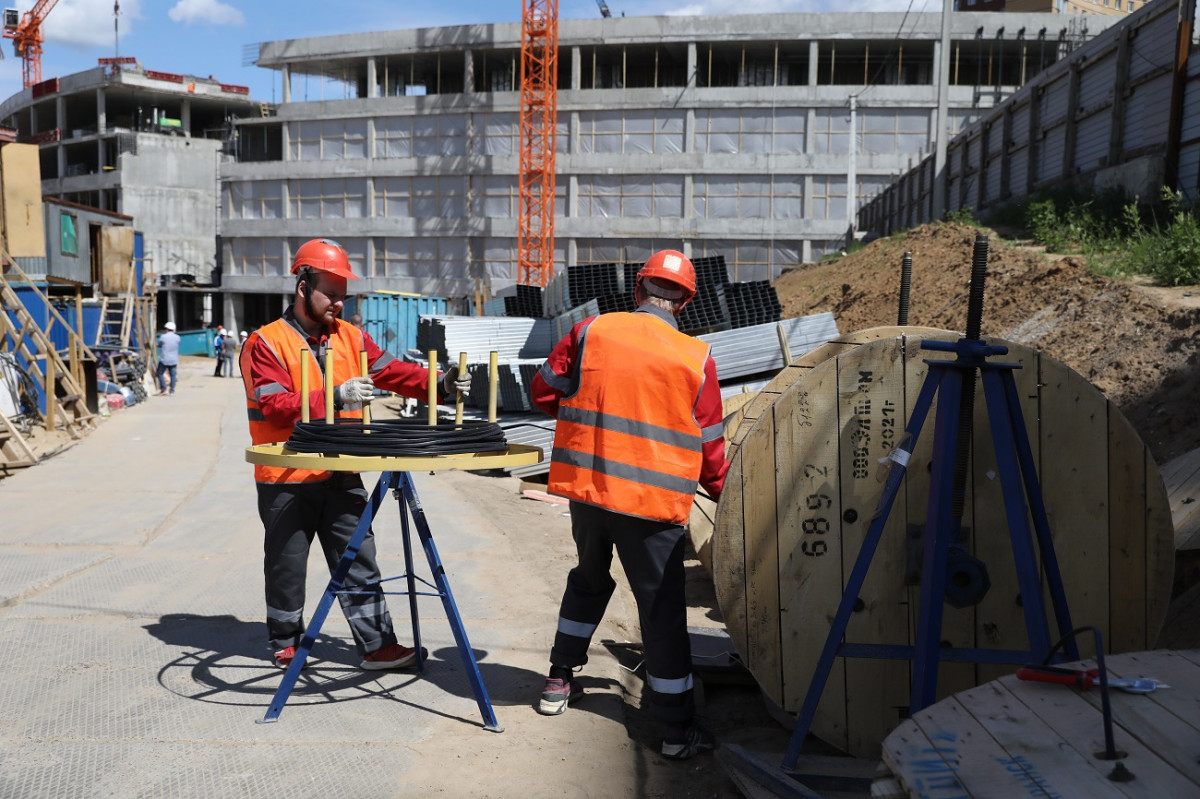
296 504
639 425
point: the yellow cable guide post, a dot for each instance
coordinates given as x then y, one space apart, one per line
329 386
432 388
458 397
493 383
362 365
305 413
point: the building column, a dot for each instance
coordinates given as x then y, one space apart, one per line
691 65
468 72
814 54
101 112
372 79
185 117
286 74
576 66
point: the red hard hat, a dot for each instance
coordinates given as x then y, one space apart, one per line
325 255
671 266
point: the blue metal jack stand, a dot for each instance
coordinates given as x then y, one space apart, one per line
402 485
1022 498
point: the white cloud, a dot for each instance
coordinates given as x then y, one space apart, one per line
82 24
213 12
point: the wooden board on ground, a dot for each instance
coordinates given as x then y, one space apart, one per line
802 445
1010 738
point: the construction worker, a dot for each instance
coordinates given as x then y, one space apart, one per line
296 504
639 424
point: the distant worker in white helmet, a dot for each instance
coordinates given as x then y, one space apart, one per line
296 504
639 424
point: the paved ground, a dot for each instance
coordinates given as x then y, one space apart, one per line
135 658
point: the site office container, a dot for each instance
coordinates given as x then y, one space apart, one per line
390 318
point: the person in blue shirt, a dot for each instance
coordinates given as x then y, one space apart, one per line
168 361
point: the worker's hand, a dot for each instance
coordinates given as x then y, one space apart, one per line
452 381
355 391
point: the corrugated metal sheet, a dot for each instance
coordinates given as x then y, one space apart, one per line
1154 45
992 188
1050 155
1191 106
1096 82
1189 168
1053 101
392 319
1018 172
974 152
1147 112
1091 142
971 192
563 323
1020 124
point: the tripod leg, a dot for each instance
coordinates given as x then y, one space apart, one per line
452 615
409 576
318 618
866 552
1016 511
939 527
1041 523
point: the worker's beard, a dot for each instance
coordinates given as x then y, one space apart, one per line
312 314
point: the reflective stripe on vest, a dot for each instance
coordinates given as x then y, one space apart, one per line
287 345
627 439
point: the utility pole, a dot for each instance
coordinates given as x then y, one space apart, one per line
942 123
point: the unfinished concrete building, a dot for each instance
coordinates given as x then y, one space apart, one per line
148 145
724 135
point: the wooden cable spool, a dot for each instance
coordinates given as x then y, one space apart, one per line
803 484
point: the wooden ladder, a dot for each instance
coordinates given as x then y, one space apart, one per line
21 335
116 320
14 450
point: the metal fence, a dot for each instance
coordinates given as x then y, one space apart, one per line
1121 111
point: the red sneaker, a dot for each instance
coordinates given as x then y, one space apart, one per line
390 657
284 657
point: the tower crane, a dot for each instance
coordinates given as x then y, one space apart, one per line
26 32
539 117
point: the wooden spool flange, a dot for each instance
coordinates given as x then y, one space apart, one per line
804 482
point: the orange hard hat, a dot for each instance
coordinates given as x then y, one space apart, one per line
325 255
671 266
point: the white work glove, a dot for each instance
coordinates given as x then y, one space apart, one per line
355 391
452 381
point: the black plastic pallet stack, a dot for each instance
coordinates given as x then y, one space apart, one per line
753 303
527 302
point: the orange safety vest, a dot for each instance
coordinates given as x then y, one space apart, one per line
292 350
627 439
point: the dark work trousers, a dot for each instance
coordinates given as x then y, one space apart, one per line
651 553
292 513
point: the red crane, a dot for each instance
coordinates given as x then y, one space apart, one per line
539 116
26 33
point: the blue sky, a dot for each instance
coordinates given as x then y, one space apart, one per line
208 37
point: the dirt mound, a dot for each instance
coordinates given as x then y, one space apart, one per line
1136 346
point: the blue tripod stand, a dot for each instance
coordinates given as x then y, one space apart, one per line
402 485
953 383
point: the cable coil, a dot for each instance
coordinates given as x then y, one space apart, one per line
397 438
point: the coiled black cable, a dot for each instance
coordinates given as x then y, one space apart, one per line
397 437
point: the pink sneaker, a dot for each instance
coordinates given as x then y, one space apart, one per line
390 657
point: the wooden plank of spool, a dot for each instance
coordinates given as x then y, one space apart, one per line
1082 507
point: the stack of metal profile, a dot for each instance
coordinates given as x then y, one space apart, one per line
589 281
527 301
755 350
512 337
707 312
563 323
753 303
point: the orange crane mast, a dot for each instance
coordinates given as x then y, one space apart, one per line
539 117
26 34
